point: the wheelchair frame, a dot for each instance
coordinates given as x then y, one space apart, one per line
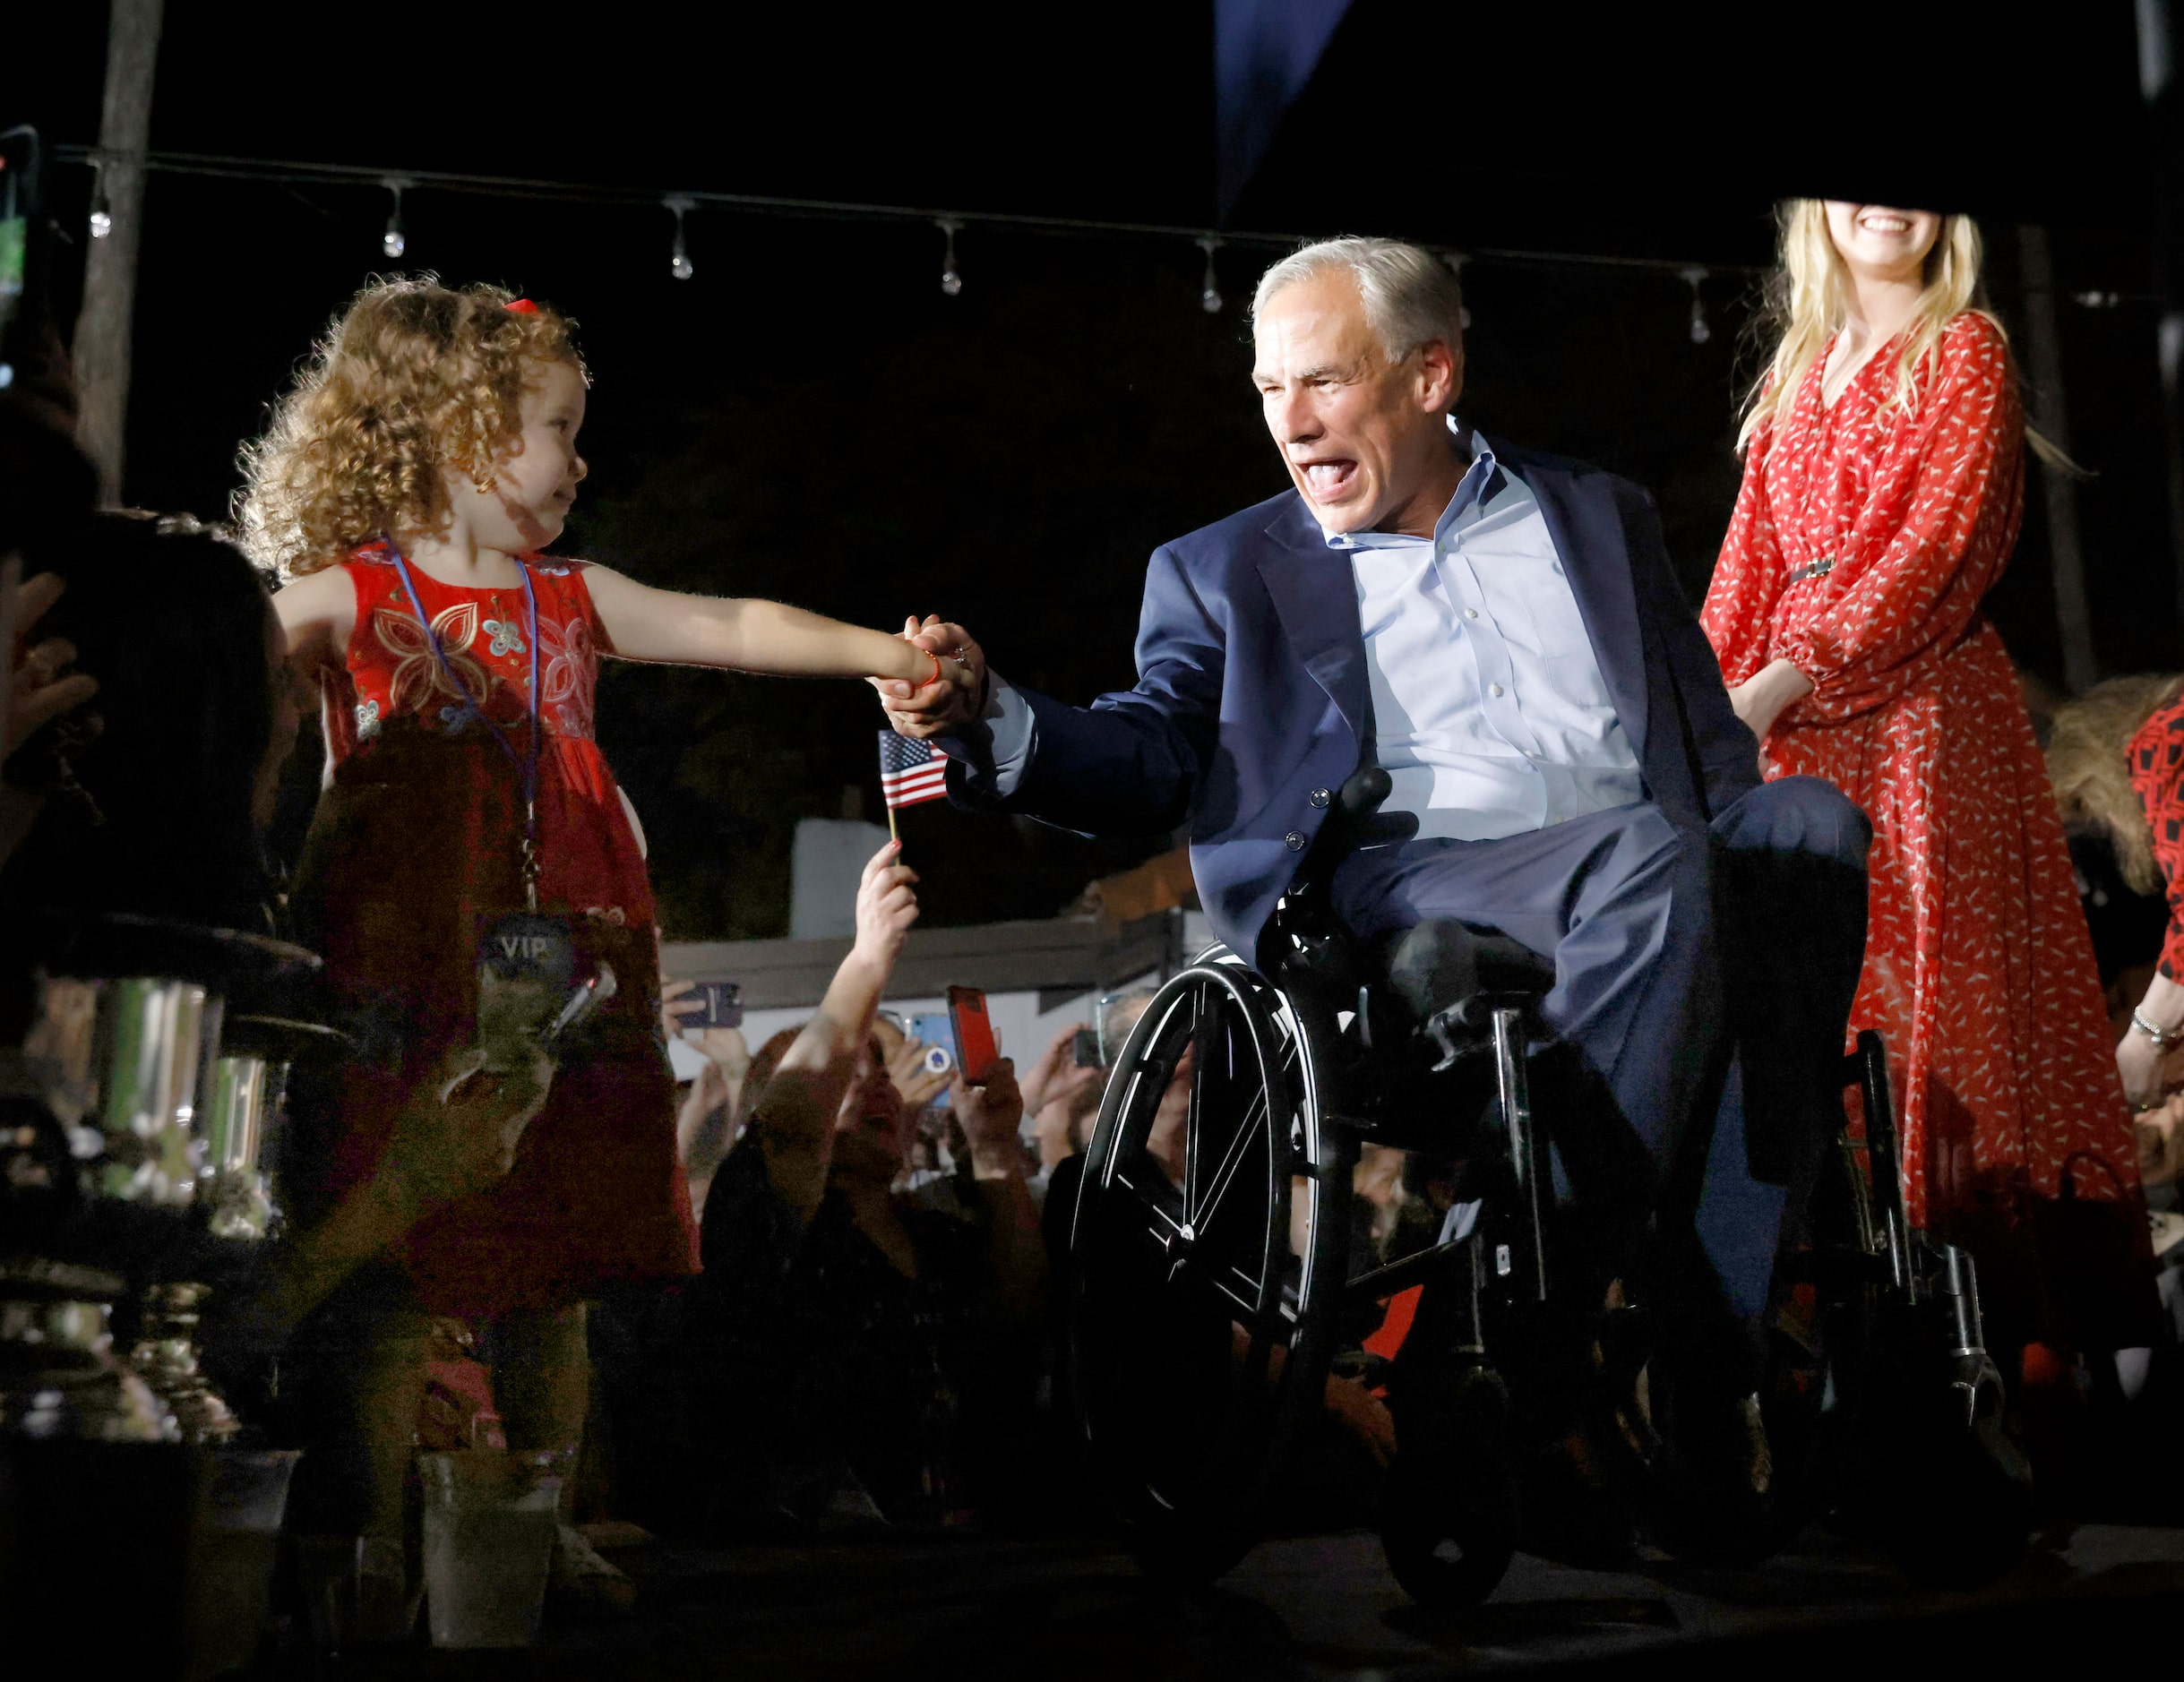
1206 1286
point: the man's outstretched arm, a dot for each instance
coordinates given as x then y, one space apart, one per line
1129 763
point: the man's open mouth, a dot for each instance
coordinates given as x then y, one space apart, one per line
1328 480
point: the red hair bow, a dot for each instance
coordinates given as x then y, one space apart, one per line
521 307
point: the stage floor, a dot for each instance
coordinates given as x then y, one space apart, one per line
1325 1607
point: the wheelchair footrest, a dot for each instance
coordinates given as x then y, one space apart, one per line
1465 1028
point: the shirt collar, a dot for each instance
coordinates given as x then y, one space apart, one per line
1477 486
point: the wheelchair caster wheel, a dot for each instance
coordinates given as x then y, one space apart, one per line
1450 1520
1965 1519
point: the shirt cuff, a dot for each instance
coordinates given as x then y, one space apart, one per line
997 747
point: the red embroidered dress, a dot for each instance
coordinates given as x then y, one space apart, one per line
1861 545
415 845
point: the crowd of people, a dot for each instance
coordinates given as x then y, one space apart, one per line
814 1288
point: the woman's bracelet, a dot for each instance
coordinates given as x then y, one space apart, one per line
2163 1038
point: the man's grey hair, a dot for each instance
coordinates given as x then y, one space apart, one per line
1410 297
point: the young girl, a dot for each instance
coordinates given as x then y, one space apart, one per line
407 485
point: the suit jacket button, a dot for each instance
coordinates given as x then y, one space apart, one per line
1321 796
1296 841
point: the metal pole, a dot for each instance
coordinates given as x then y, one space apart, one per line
2157 85
2051 414
102 348
1524 1158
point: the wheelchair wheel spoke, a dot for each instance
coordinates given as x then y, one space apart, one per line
1241 1293
1238 1287
1202 1198
1152 1201
1206 1007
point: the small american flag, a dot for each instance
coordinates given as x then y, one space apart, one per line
911 772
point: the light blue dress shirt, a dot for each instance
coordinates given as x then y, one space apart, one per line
1491 714
1489 708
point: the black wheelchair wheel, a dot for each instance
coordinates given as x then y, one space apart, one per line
1876 1420
1205 1269
1957 1511
1450 1521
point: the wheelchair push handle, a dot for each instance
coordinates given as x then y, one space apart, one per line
1361 795
1352 820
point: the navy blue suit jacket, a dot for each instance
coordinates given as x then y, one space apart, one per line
1252 692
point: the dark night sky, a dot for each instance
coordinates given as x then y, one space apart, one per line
810 418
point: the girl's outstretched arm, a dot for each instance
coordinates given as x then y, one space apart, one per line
750 636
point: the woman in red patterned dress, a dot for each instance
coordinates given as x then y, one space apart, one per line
406 487
1883 485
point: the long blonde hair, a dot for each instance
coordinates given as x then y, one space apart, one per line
1808 300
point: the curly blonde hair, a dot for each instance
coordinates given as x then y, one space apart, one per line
413 378
2086 764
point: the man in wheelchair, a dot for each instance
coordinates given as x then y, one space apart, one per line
1501 633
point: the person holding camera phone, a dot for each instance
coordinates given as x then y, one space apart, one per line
1061 1093
846 1340
918 1073
705 1020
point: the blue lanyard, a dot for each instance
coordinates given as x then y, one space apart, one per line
460 713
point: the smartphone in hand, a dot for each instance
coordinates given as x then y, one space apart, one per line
937 1034
1084 1048
723 1003
975 1051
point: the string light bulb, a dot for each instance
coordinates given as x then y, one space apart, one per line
101 223
1700 331
951 282
679 265
394 242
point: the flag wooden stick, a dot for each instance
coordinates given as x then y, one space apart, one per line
893 834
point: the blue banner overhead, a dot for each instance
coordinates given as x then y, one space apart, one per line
1264 52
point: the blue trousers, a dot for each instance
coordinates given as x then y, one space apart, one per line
1703 979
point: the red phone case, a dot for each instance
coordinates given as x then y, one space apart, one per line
976 1052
